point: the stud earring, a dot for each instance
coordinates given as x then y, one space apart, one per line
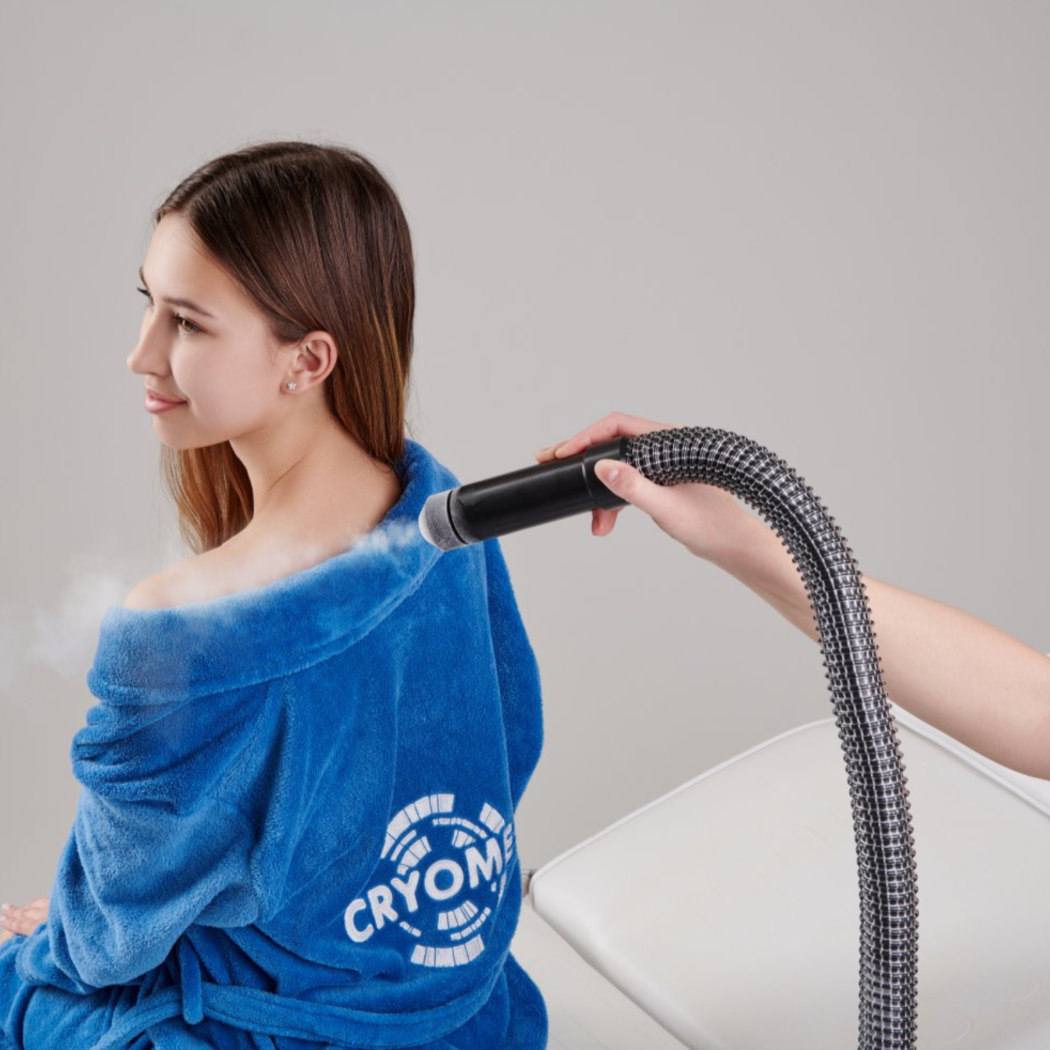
290 385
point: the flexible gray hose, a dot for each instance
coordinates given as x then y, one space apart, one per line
874 765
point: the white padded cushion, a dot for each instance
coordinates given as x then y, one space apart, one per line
729 909
584 1011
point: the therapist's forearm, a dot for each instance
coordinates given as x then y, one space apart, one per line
985 688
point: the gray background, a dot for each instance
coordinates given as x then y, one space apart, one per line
823 226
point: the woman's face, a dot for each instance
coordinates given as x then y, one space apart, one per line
213 355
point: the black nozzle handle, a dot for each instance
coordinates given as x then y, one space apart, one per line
534 495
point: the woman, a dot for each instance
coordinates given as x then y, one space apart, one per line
296 822
961 675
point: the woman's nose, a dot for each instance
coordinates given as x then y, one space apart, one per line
134 361
147 355
134 357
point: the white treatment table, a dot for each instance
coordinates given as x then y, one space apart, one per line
725 915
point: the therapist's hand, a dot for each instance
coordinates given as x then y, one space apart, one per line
705 519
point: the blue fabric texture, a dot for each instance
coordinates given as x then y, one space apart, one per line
296 825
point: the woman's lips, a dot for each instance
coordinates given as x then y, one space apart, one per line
159 404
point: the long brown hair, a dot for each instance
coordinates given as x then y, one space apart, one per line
316 237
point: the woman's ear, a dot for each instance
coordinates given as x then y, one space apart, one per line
314 360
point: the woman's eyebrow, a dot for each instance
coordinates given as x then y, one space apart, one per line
186 303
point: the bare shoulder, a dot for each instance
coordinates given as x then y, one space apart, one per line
256 558
225 570
146 594
197 578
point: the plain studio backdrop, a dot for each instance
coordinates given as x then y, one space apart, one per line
823 226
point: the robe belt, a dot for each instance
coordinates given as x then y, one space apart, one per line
254 1010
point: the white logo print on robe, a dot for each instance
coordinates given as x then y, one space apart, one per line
446 876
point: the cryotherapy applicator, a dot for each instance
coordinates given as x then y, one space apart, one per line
874 764
520 499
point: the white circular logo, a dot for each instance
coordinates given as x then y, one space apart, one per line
444 876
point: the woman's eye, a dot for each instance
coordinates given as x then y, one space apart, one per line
191 327
179 319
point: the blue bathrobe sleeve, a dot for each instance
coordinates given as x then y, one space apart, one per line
156 821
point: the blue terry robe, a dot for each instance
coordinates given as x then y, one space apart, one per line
296 826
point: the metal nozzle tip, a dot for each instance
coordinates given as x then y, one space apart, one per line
435 524
423 527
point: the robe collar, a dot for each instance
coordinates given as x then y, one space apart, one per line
240 639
